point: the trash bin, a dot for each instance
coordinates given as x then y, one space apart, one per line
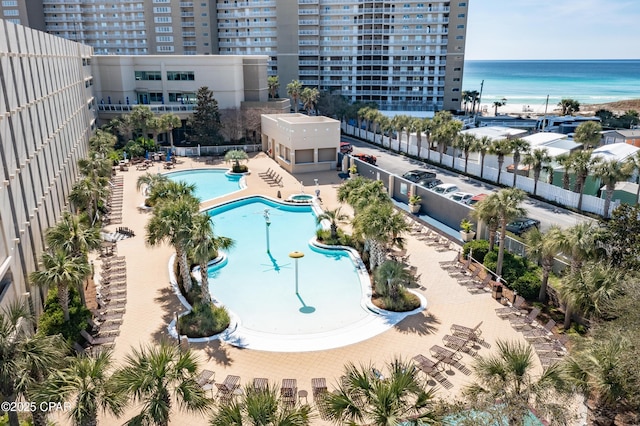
496 293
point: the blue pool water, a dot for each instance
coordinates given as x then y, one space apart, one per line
210 183
259 286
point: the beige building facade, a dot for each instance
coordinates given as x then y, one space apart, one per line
402 55
301 143
47 114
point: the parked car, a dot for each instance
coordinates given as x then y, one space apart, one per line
461 197
371 159
522 225
417 175
445 188
476 199
430 182
345 147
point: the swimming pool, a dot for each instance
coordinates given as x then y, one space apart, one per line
257 281
210 183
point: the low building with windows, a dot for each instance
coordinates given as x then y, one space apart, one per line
301 143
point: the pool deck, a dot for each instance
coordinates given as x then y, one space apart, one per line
151 304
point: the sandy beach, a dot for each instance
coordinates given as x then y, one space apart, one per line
524 110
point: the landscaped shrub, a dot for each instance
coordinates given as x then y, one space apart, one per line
52 322
324 236
239 168
513 266
406 301
204 320
528 285
480 249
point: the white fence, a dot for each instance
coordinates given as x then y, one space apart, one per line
210 150
544 190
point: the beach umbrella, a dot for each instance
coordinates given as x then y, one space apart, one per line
169 155
146 155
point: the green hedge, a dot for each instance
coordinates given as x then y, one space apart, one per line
517 272
52 322
204 321
480 249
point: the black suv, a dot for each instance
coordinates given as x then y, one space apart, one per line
522 225
418 175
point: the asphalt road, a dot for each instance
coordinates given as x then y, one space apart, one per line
547 214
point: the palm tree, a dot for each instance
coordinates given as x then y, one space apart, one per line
73 237
236 155
590 368
486 212
205 245
169 191
588 134
389 277
518 146
366 114
124 125
309 97
156 377
568 106
566 162
400 123
498 104
445 130
150 180
87 383
86 194
94 166
466 143
537 159
466 98
483 145
26 358
589 289
474 94
507 376
360 193
61 271
169 122
634 164
581 165
500 148
610 173
260 407
507 204
578 242
102 142
293 91
273 85
366 398
381 226
543 248
333 216
172 222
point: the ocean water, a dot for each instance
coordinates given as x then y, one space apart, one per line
529 82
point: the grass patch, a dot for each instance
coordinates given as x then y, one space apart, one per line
204 321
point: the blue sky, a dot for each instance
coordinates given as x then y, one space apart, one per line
553 29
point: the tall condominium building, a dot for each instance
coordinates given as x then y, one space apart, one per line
400 54
47 113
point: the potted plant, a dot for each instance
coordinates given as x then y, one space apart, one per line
353 170
414 203
466 230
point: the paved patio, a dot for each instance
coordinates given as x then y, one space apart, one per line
151 304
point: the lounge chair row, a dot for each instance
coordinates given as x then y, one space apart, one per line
271 177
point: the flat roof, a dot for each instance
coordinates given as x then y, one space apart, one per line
297 118
543 138
494 132
615 151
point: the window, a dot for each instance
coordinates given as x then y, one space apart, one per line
462 4
162 1
181 76
459 37
161 10
460 15
164 39
155 96
162 19
165 49
148 75
9 3
10 13
164 29
461 26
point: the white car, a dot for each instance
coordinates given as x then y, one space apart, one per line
461 197
445 188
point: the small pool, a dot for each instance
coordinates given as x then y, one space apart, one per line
210 183
257 281
301 198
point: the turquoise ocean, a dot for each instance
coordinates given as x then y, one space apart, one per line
530 81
